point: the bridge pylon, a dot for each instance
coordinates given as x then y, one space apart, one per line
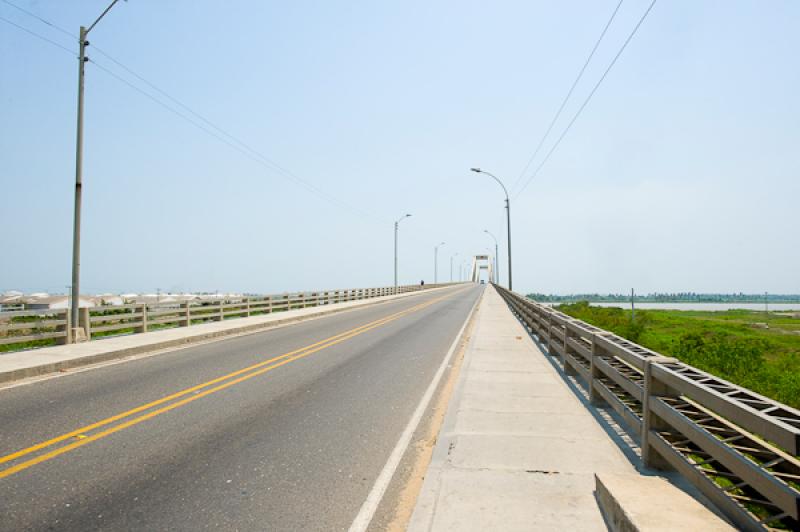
480 263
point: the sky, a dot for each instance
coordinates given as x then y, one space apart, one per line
681 174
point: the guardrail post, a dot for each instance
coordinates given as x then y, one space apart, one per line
85 323
549 326
187 315
247 306
568 369
594 374
143 327
221 314
66 329
650 421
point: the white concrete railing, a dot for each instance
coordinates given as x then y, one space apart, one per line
46 327
739 448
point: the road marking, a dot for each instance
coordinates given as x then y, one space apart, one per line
270 364
370 506
181 393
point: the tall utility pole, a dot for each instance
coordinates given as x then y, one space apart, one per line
508 219
396 226
451 265
76 228
496 271
436 262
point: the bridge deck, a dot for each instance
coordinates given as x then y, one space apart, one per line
518 449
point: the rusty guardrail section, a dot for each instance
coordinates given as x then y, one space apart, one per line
52 326
739 448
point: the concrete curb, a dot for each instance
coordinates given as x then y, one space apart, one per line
636 503
36 370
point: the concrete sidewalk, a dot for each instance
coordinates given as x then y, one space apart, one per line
23 364
518 450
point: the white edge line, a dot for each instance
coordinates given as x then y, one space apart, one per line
370 506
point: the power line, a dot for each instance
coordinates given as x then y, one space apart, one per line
234 143
215 131
272 165
40 19
586 101
566 98
45 39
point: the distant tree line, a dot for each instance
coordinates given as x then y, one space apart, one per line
668 297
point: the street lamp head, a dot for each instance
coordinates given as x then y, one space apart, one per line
478 170
407 216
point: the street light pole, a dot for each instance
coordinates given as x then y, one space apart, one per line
76 227
396 226
508 218
496 271
451 266
436 262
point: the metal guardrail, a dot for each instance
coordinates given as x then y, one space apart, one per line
53 325
739 448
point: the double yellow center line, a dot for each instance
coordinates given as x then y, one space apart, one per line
78 437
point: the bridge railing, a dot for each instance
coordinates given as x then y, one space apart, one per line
23 329
739 448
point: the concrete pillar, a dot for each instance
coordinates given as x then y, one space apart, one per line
187 317
142 309
568 368
594 375
651 422
66 329
85 323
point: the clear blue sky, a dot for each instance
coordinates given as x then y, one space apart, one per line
681 174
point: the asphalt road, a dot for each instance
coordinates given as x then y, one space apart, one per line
292 443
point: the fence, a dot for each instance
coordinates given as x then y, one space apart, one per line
33 328
740 449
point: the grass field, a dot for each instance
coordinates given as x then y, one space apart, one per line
758 350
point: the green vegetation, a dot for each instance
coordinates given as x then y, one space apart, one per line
757 350
671 297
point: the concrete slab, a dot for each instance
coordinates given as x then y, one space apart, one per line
526 423
651 504
584 453
489 402
513 501
508 378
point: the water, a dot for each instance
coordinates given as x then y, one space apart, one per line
773 307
